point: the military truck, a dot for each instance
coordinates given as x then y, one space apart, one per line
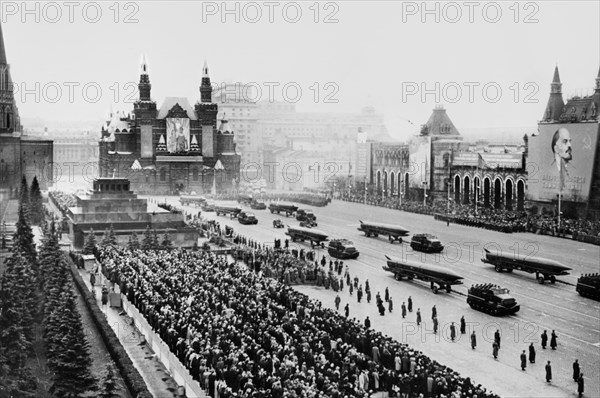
305 215
492 299
426 243
588 285
342 249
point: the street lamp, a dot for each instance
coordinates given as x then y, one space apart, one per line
424 193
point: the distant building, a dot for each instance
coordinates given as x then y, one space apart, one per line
235 101
564 155
20 155
439 164
171 149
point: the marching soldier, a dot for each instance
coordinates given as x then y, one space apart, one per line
544 339
452 331
337 302
495 350
418 316
576 370
390 305
433 312
473 340
403 310
463 325
387 294
531 353
409 304
523 360
553 340
497 337
548 372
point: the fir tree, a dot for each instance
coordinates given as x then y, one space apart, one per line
49 255
18 290
108 385
155 240
90 243
112 238
105 238
36 203
23 238
135 243
147 242
24 194
70 358
167 243
15 378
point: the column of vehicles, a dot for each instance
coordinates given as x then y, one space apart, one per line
440 278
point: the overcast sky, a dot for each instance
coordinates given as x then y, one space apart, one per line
357 53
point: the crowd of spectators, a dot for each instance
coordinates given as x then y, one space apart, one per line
242 334
307 198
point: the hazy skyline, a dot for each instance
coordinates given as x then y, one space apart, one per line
374 54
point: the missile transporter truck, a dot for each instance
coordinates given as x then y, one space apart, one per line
492 299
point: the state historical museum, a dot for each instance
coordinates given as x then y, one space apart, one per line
173 149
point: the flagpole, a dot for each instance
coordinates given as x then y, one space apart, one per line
476 174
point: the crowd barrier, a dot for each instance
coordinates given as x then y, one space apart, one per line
179 373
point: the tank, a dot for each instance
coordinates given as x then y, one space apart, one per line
492 299
588 285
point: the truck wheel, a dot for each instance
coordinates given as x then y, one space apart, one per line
434 289
391 239
410 277
398 277
509 270
448 288
540 280
376 235
552 279
271 210
367 234
498 268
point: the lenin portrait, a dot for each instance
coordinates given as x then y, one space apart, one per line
561 147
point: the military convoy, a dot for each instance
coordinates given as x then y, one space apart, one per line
588 285
492 299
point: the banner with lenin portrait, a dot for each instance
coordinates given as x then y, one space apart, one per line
178 135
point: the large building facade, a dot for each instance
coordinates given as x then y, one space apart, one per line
20 155
172 149
438 165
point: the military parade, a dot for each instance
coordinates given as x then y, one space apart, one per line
299 199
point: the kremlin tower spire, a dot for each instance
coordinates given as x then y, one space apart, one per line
144 86
9 114
555 102
205 87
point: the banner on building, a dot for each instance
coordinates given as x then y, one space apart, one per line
561 157
178 134
419 158
207 141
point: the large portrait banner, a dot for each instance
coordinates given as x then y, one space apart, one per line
561 158
178 135
419 156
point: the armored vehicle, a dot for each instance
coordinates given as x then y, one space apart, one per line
247 218
588 285
342 248
277 224
492 299
426 243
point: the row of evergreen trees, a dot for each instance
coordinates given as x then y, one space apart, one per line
40 288
150 241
